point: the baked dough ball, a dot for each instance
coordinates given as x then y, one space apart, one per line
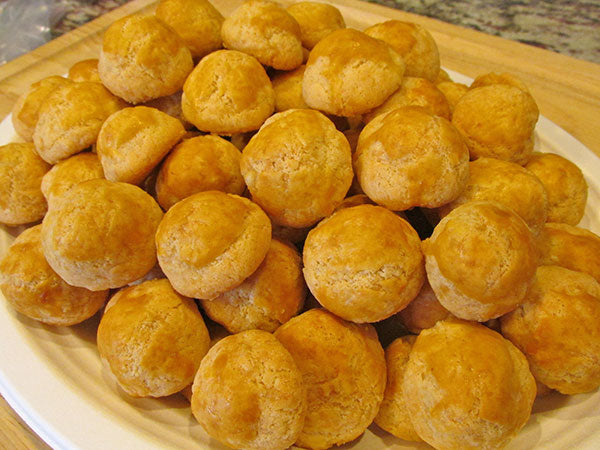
393 416
266 31
497 121
272 295
134 140
414 92
211 242
498 78
566 187
409 158
343 366
142 58
414 43
288 90
249 393
363 263
558 329
480 260
298 167
453 92
69 172
316 21
86 70
203 163
196 22
466 387
349 73
228 92
571 247
21 172
25 112
170 104
424 311
32 288
152 338
506 183
70 119
101 234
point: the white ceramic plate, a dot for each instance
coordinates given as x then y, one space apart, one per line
53 377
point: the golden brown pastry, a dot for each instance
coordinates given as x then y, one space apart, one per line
565 184
152 339
249 394
393 416
466 387
228 92
558 329
497 121
272 295
101 234
266 31
424 311
349 73
203 163
288 90
414 43
409 158
316 21
32 288
70 119
571 247
26 110
21 172
453 92
506 183
86 70
363 263
171 104
211 242
297 167
196 22
480 260
143 58
498 78
69 172
134 140
343 366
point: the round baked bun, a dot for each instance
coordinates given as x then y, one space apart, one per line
558 329
249 393
349 73
69 172
316 21
288 89
26 110
343 367
272 295
509 184
152 339
101 234
86 70
143 58
466 387
565 184
228 92
363 263
266 31
497 121
298 167
211 242
424 311
481 260
32 288
196 22
409 158
133 141
70 119
21 172
453 92
487 79
414 43
393 416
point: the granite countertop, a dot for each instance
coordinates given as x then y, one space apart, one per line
564 26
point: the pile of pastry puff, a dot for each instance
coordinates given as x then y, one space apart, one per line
209 169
